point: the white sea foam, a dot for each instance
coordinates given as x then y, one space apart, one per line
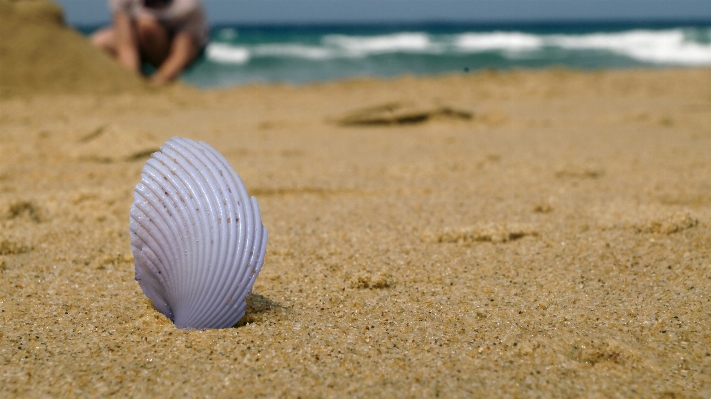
670 46
661 47
230 54
226 54
505 41
293 50
407 42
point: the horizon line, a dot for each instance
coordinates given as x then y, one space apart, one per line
452 22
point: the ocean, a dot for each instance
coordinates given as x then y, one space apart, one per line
238 55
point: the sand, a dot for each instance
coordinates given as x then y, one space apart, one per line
548 236
39 54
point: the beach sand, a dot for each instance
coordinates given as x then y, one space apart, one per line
493 234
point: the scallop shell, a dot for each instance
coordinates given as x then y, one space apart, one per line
197 238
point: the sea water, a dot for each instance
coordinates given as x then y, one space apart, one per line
239 55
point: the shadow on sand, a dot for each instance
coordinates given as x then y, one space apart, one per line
258 308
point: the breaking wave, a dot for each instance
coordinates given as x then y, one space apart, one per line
672 46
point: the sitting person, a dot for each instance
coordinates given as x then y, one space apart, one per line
168 34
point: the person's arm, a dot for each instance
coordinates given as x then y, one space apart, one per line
183 49
126 43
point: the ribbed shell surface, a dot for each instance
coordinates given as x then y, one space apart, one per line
197 237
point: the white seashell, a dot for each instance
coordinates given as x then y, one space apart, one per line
197 237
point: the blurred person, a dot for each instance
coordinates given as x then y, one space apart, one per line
168 34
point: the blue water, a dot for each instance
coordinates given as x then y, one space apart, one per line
303 53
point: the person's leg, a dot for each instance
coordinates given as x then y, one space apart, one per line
119 40
105 39
153 40
183 50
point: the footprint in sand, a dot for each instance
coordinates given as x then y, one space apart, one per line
112 143
490 232
644 218
400 114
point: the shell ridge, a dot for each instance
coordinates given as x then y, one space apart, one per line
147 272
150 233
202 258
186 192
160 184
214 279
254 226
150 287
193 248
242 196
254 262
193 313
154 171
258 251
197 237
248 216
231 197
149 254
239 267
222 269
189 276
260 260
173 218
255 267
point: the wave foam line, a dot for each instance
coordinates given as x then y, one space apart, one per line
408 42
226 54
508 41
659 47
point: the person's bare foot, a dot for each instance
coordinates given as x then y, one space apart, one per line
158 81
